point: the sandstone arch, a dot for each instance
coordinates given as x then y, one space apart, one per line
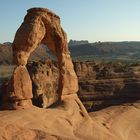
40 26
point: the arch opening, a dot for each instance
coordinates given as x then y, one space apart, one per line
44 75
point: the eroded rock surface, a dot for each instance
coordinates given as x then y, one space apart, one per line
112 84
40 26
45 77
66 123
19 89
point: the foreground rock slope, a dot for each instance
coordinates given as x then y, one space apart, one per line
63 123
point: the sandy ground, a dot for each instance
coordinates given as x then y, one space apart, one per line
67 123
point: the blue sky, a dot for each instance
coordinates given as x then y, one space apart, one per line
93 20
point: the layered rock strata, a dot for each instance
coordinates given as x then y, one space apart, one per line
105 84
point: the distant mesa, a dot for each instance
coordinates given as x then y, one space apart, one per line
7 43
75 42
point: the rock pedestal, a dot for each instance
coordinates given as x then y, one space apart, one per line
19 90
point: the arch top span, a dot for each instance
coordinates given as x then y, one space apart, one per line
45 10
40 26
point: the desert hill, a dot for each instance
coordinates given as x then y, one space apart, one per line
114 123
6 53
128 51
83 50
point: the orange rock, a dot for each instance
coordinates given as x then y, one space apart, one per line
20 85
19 90
40 26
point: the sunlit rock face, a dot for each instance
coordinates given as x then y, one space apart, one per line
40 26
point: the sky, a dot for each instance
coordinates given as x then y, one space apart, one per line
92 20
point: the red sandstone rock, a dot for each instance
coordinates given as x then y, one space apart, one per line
20 85
40 26
19 89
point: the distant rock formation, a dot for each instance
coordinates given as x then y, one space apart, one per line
40 26
6 54
75 42
105 84
120 51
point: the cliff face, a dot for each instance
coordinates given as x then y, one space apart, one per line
111 84
100 85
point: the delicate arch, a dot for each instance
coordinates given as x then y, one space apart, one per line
43 26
